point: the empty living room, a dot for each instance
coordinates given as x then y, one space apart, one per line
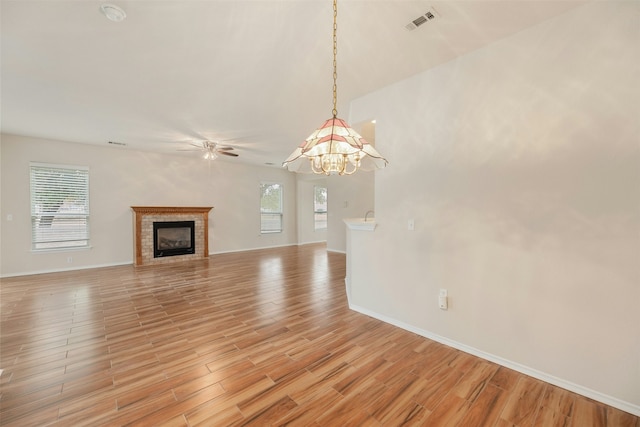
455 243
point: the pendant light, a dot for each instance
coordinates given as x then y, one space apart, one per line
334 148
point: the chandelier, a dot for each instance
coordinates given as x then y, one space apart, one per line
334 148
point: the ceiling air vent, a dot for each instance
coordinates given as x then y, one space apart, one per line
428 16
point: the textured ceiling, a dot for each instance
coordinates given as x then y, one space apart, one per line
254 73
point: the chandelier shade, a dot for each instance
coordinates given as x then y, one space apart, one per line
334 148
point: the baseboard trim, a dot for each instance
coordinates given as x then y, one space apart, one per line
315 242
336 251
88 267
567 385
61 270
252 249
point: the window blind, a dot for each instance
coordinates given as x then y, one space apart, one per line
320 208
59 206
270 208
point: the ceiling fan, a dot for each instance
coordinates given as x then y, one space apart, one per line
213 149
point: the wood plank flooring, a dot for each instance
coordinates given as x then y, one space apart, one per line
256 338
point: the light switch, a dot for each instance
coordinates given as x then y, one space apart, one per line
442 303
443 300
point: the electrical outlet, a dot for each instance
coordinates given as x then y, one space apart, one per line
411 225
69 260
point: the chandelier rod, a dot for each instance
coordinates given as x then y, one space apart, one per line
335 55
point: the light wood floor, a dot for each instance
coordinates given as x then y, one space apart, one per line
256 338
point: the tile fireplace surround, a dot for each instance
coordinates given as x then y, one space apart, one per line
145 216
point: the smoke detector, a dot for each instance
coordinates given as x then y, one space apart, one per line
113 12
429 15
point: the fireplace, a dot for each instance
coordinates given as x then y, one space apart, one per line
171 238
183 231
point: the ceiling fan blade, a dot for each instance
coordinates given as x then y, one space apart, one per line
225 148
200 145
227 153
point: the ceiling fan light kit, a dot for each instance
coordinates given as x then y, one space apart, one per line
210 155
212 150
334 148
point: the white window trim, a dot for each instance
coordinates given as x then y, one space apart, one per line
86 213
281 213
315 227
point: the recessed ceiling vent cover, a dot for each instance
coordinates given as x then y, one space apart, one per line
429 15
113 12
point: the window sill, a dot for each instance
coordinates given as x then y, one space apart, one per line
42 251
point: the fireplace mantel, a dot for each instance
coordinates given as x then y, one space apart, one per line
143 217
161 210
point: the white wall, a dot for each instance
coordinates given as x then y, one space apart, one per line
305 204
520 164
349 197
120 178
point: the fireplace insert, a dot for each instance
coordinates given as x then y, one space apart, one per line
171 238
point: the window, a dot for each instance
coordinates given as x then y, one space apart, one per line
270 208
59 206
320 208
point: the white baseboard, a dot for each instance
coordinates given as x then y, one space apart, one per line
576 388
315 242
60 270
268 247
336 251
252 249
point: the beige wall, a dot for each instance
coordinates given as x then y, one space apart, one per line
349 197
304 201
520 164
120 178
